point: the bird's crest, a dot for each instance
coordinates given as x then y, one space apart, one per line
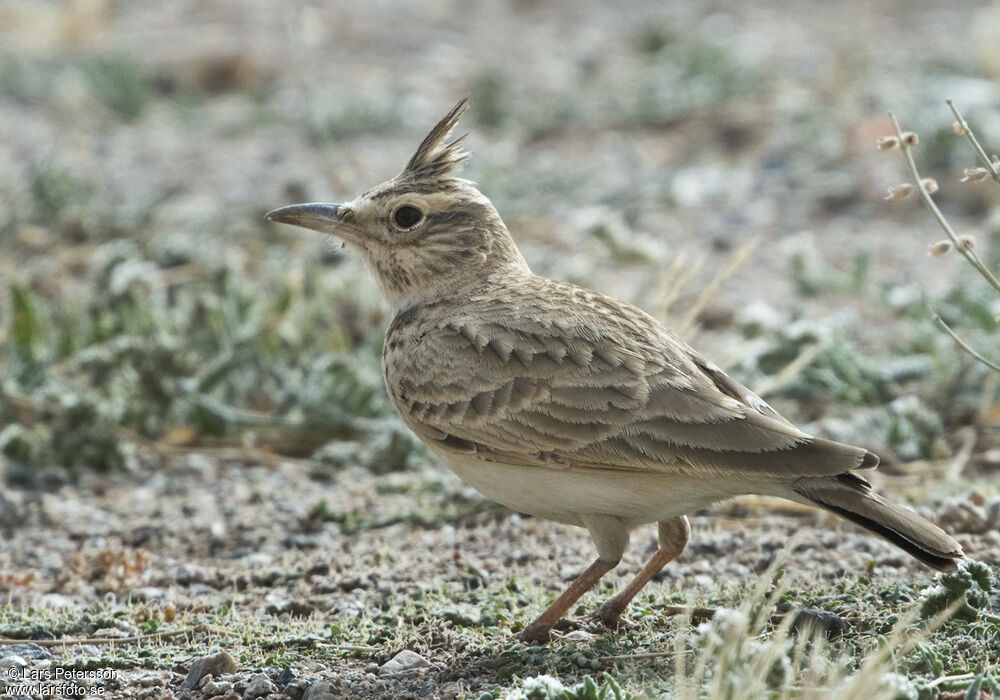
434 160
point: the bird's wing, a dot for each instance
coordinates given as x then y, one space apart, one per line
566 395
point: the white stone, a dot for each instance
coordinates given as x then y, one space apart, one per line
12 661
405 660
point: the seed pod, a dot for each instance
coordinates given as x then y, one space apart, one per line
974 174
936 250
910 138
887 143
900 191
966 243
959 128
929 184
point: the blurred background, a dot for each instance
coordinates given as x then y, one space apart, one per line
192 414
713 162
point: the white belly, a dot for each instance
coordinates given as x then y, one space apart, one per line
635 498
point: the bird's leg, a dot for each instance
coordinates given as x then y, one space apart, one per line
610 536
538 631
673 536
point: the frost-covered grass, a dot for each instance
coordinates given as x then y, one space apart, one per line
743 652
147 310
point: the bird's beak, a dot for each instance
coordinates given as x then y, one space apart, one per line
325 218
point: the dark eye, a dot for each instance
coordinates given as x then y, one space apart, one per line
407 216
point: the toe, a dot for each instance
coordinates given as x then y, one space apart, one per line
570 624
534 635
596 622
609 616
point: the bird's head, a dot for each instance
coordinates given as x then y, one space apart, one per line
425 232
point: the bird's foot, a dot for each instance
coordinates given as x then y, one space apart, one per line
606 617
586 623
535 634
539 634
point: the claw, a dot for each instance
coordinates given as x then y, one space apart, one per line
604 619
533 636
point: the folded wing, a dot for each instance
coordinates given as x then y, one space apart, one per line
565 395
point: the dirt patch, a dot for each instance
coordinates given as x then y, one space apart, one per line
333 577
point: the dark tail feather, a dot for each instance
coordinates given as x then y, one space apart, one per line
851 497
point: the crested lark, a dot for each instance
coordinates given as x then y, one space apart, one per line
567 404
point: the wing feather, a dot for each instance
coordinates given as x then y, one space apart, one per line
561 392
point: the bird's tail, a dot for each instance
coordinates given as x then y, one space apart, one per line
851 497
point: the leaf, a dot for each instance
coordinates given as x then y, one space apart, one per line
25 325
932 658
973 692
217 370
209 417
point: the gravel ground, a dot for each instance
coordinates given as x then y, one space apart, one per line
610 151
201 533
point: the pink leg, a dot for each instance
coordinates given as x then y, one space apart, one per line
538 631
673 537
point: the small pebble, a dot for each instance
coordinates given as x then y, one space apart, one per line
148 680
228 695
963 515
405 660
260 686
286 676
993 513
811 619
704 581
32 652
214 687
568 573
13 661
149 594
216 665
319 690
297 688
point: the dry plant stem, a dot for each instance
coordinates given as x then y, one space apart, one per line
943 680
695 614
965 346
116 640
689 322
677 276
681 652
989 164
645 655
970 255
792 369
989 391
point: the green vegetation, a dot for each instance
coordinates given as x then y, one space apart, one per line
137 355
147 310
327 124
919 647
120 84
